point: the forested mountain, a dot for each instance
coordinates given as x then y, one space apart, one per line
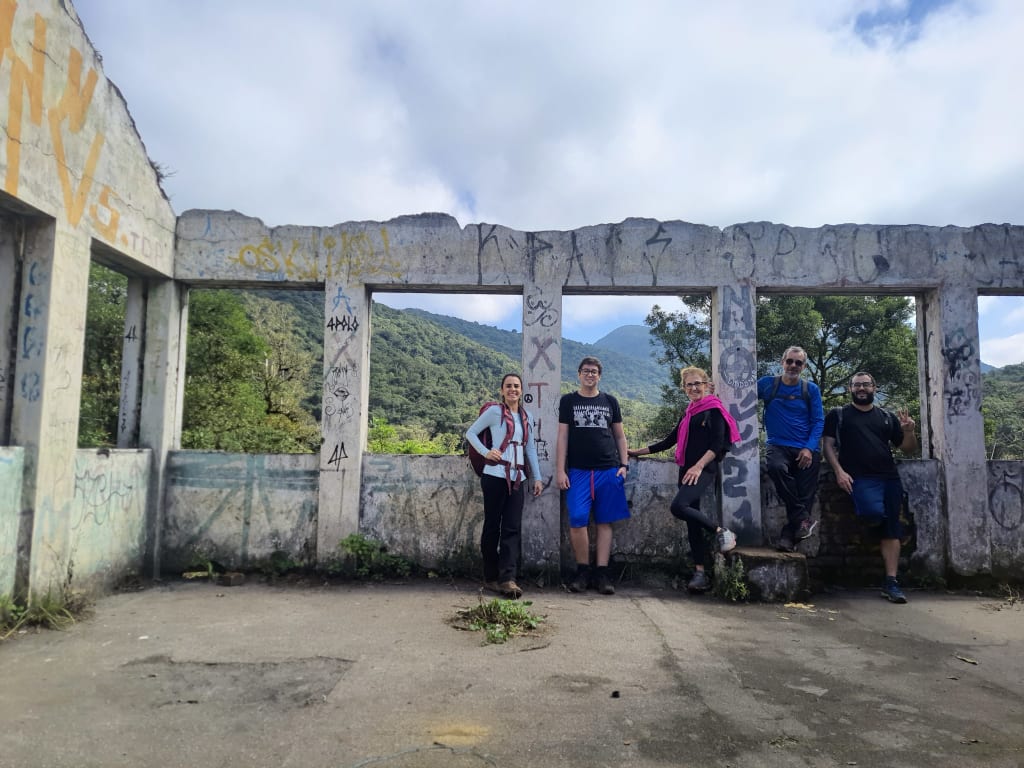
254 378
630 370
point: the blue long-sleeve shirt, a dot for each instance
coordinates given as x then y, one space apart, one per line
788 419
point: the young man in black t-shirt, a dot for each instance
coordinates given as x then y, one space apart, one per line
591 465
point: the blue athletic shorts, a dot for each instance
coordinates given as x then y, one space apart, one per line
600 491
878 502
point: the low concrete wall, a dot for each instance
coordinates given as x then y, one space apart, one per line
12 466
108 517
239 509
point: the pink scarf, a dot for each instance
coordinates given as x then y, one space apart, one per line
706 403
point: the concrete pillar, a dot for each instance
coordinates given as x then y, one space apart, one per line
48 374
542 371
10 265
162 394
957 428
733 350
132 348
345 403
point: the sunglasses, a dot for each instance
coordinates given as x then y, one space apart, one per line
797 363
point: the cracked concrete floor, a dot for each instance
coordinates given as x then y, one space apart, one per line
188 674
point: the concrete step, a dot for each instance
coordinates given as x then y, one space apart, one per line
772 576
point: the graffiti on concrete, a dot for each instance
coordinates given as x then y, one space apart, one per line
736 362
961 387
101 491
540 312
337 394
1006 498
542 345
652 255
291 261
529 398
66 118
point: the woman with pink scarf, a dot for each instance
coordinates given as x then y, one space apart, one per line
703 436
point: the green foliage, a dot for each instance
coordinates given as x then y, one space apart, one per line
841 334
498 619
371 560
101 365
52 611
1002 408
730 582
242 388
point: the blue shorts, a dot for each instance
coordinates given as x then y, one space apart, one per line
878 501
600 491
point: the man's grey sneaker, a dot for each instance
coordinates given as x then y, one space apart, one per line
604 585
699 583
785 544
726 540
806 528
891 591
580 582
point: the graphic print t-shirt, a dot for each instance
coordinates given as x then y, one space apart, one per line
591 440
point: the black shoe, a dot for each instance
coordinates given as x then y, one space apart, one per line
580 581
699 582
785 544
604 585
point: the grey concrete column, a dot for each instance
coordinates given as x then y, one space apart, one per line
162 394
343 420
734 356
957 428
10 266
48 375
132 348
542 371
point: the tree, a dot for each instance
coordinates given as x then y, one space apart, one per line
841 335
101 365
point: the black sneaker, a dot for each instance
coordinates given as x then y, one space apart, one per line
580 581
806 528
604 584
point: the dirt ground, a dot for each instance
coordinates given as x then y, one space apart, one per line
195 674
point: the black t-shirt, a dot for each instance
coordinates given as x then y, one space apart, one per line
864 449
591 440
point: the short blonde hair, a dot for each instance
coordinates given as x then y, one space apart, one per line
689 371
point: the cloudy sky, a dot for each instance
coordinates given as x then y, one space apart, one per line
541 114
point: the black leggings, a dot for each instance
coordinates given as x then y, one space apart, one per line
503 517
686 506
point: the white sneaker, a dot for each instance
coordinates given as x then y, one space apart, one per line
726 540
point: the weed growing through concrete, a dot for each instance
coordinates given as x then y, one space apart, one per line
50 611
730 581
371 560
498 619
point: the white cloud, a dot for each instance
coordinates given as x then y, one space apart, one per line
1003 351
541 115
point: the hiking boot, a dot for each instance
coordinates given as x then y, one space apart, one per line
604 584
492 586
892 592
806 528
726 540
785 544
699 583
580 581
510 589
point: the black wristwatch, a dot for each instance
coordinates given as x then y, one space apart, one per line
624 466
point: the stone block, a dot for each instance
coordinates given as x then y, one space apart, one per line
771 576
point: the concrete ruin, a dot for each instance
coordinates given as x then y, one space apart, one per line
78 186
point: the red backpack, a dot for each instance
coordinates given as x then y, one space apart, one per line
476 460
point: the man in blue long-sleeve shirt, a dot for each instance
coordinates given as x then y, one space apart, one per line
793 421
